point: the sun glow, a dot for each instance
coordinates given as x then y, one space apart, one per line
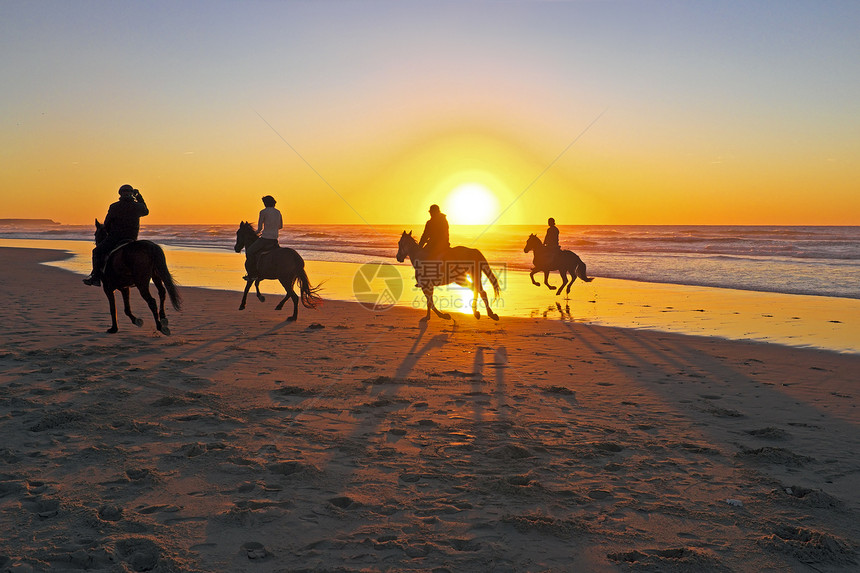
471 204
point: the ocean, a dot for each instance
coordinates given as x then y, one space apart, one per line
821 261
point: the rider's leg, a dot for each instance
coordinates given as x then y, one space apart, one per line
251 258
99 254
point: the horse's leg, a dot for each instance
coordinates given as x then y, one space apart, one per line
532 276
572 279
127 305
291 294
143 289
490 312
245 295
162 294
260 297
428 294
563 273
112 303
546 279
475 295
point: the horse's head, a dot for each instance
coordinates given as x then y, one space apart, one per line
532 243
405 245
100 232
245 235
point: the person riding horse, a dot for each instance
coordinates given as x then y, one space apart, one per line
550 241
435 239
435 242
269 224
122 224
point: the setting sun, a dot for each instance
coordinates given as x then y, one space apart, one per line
471 204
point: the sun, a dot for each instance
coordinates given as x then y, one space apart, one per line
471 204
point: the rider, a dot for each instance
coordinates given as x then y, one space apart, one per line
435 235
268 226
550 241
122 224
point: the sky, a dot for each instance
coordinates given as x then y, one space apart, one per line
351 112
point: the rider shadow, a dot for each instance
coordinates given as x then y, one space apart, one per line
498 361
414 354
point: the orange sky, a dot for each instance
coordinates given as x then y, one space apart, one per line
625 114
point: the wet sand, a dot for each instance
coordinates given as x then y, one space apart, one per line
356 440
803 321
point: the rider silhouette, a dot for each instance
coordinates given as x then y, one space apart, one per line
550 241
268 226
122 224
435 235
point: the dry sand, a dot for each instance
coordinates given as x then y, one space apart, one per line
353 440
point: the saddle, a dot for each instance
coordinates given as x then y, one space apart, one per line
119 246
261 256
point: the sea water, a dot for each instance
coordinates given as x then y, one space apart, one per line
821 261
730 266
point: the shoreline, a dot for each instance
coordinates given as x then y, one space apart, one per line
798 321
360 440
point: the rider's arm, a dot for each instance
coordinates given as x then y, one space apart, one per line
425 236
142 209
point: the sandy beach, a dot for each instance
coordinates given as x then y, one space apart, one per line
354 440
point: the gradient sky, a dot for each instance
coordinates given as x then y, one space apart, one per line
594 112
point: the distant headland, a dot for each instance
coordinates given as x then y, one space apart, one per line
28 222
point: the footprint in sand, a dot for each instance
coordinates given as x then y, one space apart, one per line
110 513
140 553
810 546
255 551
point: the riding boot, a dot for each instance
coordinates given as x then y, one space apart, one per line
94 279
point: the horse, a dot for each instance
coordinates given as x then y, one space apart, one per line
283 264
565 262
462 266
136 263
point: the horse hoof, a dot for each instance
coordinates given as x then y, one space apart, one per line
477 315
164 320
112 330
494 316
164 330
138 321
261 298
291 318
446 316
242 307
279 307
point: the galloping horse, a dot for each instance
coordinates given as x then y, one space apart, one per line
135 264
462 266
565 262
283 264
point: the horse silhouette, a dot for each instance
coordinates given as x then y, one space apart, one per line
563 261
282 264
135 264
462 265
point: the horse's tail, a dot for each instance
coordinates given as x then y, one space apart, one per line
580 272
309 294
485 268
163 273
